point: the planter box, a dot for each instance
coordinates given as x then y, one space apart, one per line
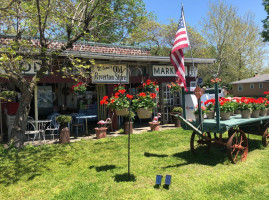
64 136
154 126
144 113
122 112
100 132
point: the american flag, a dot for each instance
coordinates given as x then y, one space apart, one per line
177 57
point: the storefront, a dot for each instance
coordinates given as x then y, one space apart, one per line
113 65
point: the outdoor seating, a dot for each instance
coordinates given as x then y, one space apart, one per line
31 130
53 126
77 123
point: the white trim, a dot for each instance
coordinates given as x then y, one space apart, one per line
251 84
238 88
260 85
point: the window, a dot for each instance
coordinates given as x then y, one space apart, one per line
240 87
251 85
260 85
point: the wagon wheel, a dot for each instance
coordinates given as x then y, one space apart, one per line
265 138
237 146
198 141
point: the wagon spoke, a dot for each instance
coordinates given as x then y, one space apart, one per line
237 146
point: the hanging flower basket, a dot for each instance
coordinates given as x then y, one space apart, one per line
144 113
122 112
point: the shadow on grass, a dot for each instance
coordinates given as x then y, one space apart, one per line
216 154
104 168
155 155
125 178
30 162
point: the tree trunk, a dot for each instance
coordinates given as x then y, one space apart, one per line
17 132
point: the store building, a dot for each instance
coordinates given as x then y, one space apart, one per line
113 65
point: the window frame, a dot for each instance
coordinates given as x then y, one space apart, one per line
238 87
251 84
260 85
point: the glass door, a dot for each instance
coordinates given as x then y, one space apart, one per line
168 100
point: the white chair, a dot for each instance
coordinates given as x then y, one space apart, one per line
53 126
31 130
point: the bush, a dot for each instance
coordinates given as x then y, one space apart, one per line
177 110
63 119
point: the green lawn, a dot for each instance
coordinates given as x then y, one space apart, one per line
96 169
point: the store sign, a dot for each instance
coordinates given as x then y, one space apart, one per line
109 73
163 70
32 67
193 71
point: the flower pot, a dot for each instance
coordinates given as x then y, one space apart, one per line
237 112
154 126
81 92
122 112
263 113
255 113
64 136
197 118
175 119
224 115
246 114
177 122
210 114
143 113
100 132
128 127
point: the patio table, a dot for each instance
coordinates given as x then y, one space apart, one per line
40 125
86 117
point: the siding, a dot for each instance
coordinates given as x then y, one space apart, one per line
248 92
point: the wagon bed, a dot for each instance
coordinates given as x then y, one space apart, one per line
236 143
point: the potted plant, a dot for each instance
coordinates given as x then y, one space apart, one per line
63 120
256 105
196 113
119 102
174 87
79 88
102 129
155 124
226 108
245 107
174 112
143 104
149 86
210 108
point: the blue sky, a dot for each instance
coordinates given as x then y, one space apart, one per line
195 10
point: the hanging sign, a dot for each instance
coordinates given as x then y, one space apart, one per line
198 92
163 70
109 73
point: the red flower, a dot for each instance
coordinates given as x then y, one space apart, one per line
129 96
112 100
157 89
122 91
102 101
117 94
142 94
105 97
116 97
152 95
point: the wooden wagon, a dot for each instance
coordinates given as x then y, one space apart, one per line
210 131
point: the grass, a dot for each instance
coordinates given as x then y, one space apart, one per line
96 169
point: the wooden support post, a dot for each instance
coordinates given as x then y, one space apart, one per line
217 107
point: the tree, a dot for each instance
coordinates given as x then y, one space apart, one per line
265 32
101 20
239 49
